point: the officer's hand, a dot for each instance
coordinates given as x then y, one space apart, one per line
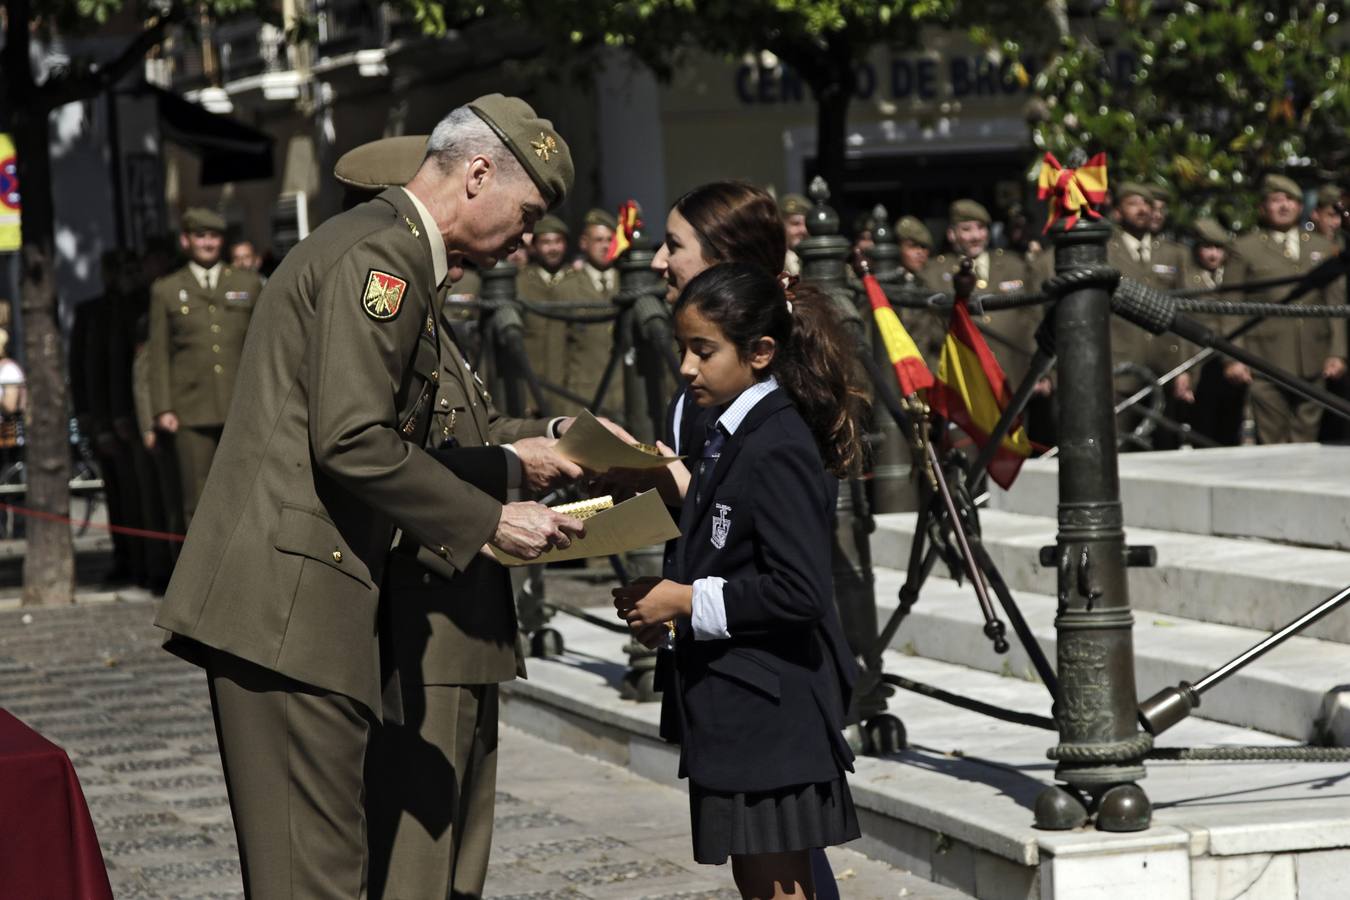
167 421
1333 369
527 529
149 439
1237 373
542 466
1182 389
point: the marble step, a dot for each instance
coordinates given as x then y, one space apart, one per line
1285 692
955 806
1294 493
1225 581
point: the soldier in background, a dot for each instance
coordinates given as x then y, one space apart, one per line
793 209
863 226
198 318
1137 253
928 327
1309 348
597 232
540 282
1159 198
1326 221
244 256
588 346
1219 403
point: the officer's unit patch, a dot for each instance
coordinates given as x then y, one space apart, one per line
383 296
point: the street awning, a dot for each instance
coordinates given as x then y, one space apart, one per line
230 150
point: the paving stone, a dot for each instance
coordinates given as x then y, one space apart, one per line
180 782
626 871
533 820
158 843
189 869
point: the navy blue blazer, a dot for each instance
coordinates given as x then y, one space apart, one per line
765 708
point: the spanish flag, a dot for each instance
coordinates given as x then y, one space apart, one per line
971 392
900 347
623 235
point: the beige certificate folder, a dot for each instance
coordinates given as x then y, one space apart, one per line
593 446
639 522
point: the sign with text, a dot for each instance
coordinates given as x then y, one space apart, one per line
10 238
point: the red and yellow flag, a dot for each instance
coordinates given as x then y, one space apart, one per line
972 392
1072 191
623 234
900 347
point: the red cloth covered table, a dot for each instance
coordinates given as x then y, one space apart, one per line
48 848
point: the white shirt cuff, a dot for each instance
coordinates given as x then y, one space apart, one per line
553 424
709 615
514 470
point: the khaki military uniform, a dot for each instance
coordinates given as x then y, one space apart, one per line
1300 346
277 589
1011 333
196 340
1218 402
1164 271
588 346
450 638
928 327
545 339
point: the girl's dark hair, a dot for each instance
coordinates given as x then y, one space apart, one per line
814 361
736 223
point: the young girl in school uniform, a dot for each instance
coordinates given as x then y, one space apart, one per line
762 674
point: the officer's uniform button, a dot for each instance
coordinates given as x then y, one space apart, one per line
982 284
436 375
212 307
445 432
183 310
337 556
215 348
219 368
426 578
445 404
215 329
443 552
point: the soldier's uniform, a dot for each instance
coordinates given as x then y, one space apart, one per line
1300 346
198 319
1159 264
545 339
927 327
588 346
1011 333
1218 402
276 591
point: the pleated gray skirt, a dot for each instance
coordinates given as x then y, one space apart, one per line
778 821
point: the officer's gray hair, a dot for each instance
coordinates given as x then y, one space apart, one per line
462 135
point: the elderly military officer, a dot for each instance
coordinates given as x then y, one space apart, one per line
276 592
449 636
1313 349
198 318
1011 332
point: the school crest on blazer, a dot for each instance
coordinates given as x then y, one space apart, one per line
721 524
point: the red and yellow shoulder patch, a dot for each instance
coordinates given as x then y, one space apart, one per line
383 296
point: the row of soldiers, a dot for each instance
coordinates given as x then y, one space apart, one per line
1212 399
153 362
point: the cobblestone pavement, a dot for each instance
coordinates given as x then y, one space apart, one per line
136 722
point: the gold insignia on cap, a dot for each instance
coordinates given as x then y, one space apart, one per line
412 226
544 146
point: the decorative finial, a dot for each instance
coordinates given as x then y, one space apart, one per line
819 190
821 219
881 227
1077 157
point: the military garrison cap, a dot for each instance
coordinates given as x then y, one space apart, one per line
550 225
1159 194
1329 195
967 210
1210 233
201 219
388 162
1281 184
910 228
600 217
533 140
1133 189
793 205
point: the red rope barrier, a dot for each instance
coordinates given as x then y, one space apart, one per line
111 529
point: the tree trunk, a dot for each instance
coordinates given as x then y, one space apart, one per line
832 102
49 565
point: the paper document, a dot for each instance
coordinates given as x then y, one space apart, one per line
593 446
639 522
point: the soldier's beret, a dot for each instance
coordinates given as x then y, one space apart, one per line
1133 189
201 219
1281 184
912 229
967 211
541 150
600 217
1329 195
1159 194
793 205
550 225
388 162
1210 232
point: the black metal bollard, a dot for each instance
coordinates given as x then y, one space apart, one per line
824 263
892 486
1101 748
500 313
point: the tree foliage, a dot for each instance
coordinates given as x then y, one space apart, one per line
1222 92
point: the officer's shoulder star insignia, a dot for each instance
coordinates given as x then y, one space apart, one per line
383 295
544 146
412 226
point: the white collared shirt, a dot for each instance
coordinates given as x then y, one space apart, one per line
207 278
1287 240
1140 248
604 280
708 616
440 264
